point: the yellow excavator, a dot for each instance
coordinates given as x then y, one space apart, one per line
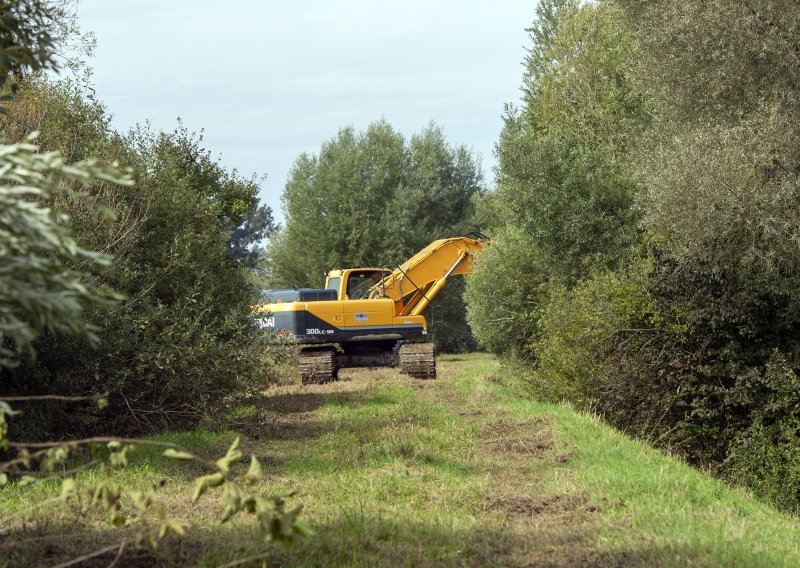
369 317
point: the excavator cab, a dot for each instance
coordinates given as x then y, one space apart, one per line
355 283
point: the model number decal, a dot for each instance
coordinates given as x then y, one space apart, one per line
316 331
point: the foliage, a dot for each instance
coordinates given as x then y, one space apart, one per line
274 522
693 144
563 206
563 172
372 198
41 288
681 355
258 224
337 207
586 335
140 510
39 35
709 376
766 458
719 171
27 39
727 112
181 342
50 212
504 294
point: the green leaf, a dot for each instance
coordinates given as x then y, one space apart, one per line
230 511
178 455
233 455
119 458
200 487
141 500
254 473
303 529
201 484
216 479
177 528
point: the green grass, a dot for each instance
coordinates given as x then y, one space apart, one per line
660 506
460 471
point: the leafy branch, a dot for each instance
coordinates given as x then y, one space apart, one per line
36 462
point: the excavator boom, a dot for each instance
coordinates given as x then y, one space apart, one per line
414 284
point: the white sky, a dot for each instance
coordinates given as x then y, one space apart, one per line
270 79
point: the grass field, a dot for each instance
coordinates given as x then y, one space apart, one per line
463 470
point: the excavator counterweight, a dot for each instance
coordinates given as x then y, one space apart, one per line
369 317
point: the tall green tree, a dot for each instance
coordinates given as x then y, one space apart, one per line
563 206
339 207
720 163
247 238
373 198
679 121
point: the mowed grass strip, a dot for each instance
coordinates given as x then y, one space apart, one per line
654 509
461 471
390 478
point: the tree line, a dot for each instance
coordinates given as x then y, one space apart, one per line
646 220
120 286
162 323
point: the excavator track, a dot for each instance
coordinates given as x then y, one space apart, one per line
417 360
317 365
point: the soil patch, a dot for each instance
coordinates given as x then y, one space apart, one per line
550 505
275 426
532 438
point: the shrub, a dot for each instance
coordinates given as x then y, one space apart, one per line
766 458
504 295
181 342
687 356
585 333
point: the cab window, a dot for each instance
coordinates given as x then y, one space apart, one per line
359 283
333 284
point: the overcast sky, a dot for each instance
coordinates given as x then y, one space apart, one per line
267 80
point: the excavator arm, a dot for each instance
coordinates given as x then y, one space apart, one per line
414 284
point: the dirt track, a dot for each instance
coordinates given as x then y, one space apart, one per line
525 524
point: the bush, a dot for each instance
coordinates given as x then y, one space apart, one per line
767 459
587 332
687 356
181 342
504 295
